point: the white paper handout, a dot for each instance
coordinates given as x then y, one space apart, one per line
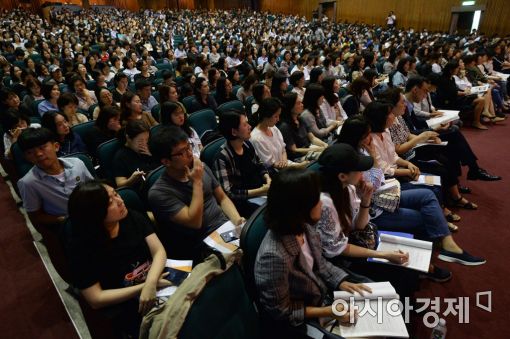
421 144
479 89
447 117
374 317
419 251
431 180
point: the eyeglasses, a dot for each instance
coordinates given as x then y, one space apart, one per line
181 153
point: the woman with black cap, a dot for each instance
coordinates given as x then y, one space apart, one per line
347 236
418 211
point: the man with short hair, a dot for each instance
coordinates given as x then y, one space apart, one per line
187 200
45 189
143 90
458 147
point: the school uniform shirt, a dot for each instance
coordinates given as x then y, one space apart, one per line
50 193
46 106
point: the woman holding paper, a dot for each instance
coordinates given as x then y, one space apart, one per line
418 211
116 258
346 202
292 277
446 160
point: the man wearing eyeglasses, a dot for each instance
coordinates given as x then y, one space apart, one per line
187 200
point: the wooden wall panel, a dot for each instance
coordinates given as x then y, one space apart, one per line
301 7
496 18
435 15
430 14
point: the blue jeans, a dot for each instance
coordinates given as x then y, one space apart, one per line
419 213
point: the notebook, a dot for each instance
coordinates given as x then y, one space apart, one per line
367 325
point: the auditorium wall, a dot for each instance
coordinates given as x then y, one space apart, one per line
431 14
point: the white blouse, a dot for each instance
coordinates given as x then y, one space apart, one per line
270 149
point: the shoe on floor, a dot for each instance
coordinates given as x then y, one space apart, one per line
483 175
463 258
497 119
439 275
464 189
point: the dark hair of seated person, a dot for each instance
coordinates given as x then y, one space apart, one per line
329 94
163 141
354 130
134 128
291 197
268 107
376 114
167 109
416 81
89 197
391 95
35 137
105 114
295 77
229 120
48 121
311 98
258 92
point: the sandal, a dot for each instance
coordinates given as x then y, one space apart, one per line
468 205
452 217
452 227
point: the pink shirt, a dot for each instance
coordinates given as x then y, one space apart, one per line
386 157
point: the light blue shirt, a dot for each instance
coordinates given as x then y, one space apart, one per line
149 104
40 190
399 79
46 106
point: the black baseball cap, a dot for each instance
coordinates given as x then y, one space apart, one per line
342 158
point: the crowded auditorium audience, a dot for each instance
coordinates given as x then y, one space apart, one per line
145 96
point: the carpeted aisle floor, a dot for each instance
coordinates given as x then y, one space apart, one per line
29 304
485 232
31 308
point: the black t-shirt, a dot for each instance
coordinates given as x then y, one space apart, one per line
116 265
251 177
126 161
294 136
96 137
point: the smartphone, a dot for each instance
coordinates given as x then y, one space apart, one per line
230 236
176 277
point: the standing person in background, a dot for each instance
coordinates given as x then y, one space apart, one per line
391 20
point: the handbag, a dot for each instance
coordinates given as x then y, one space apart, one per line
366 237
387 196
